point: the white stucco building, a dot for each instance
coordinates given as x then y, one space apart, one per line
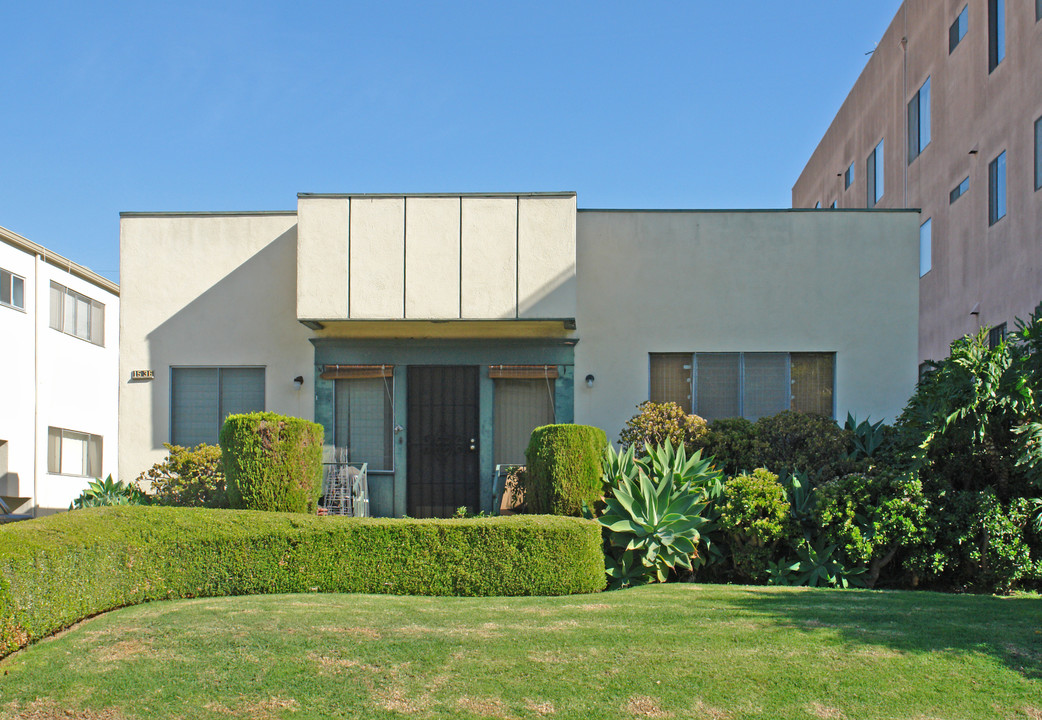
58 376
430 333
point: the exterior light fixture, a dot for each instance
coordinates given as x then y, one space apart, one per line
589 381
299 381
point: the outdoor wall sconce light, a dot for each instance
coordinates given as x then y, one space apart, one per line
589 381
299 381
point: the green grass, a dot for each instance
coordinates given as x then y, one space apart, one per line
674 651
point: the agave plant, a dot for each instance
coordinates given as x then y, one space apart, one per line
819 567
109 492
655 520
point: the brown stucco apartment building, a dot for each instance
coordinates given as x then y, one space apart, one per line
947 117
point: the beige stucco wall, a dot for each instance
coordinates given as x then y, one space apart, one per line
750 281
436 257
975 115
206 290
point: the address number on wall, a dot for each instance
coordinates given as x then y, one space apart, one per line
141 375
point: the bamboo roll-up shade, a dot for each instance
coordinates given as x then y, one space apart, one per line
522 372
356 372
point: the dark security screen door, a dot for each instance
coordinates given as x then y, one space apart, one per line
443 440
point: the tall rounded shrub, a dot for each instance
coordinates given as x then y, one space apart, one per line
564 468
272 462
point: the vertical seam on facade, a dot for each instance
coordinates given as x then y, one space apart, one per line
517 257
461 257
350 210
405 255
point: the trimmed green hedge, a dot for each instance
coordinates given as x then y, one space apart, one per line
272 462
564 468
60 569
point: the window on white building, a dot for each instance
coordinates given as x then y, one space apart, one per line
848 176
750 385
73 453
77 315
12 290
202 397
959 190
919 121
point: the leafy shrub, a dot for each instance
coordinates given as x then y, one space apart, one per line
655 513
188 477
656 423
563 468
101 493
272 462
57 570
755 517
977 542
799 441
733 445
874 517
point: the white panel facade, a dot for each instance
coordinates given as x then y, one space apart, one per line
56 379
377 258
432 258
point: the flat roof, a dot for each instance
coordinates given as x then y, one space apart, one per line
561 193
59 261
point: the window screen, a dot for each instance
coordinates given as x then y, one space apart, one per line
363 421
718 385
201 398
765 390
812 382
671 379
520 406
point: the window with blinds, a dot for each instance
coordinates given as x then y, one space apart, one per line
749 385
671 379
202 397
363 416
73 453
520 405
77 315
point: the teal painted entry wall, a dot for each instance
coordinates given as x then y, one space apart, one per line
387 490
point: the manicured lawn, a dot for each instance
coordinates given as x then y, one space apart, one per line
676 651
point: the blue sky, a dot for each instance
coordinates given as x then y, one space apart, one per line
148 106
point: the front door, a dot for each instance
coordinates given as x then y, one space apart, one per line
443 440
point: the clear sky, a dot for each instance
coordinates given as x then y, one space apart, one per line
186 105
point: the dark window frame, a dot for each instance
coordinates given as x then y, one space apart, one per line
997 187
996 33
848 176
1038 149
959 190
918 127
875 170
958 28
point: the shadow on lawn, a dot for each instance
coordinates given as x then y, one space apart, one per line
1008 629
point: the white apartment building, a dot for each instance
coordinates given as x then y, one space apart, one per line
59 335
428 334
